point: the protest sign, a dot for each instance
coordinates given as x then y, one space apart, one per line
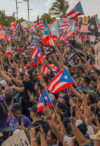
85 20
84 28
18 139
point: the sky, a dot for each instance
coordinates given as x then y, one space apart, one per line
90 7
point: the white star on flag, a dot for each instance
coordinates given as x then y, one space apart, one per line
92 26
66 77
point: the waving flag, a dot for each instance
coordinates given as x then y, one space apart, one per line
75 12
53 27
46 36
54 68
36 55
36 22
61 81
44 70
33 45
44 99
40 104
72 29
13 25
41 24
30 37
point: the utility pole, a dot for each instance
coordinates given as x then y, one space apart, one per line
28 8
17 8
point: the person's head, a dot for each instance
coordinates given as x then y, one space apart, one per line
16 109
51 138
72 100
93 73
34 113
60 107
80 69
26 77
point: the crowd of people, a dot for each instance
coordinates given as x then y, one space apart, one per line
74 117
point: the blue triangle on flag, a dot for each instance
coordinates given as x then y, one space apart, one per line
65 77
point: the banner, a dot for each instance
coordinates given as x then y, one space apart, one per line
97 56
85 20
84 28
18 139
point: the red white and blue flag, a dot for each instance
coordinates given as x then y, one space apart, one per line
13 25
44 99
44 70
33 45
61 81
36 55
54 68
75 12
41 24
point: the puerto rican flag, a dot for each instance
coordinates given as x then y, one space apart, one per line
40 104
61 81
33 45
75 12
36 55
44 70
41 24
54 68
13 25
44 99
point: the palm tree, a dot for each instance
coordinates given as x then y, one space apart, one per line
59 8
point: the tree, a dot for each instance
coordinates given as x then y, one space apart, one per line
47 17
59 8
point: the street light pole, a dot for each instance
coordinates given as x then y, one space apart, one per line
17 8
28 10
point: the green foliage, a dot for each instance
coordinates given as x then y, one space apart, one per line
47 17
59 8
6 20
20 20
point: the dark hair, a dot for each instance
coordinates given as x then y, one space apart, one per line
83 128
62 106
53 135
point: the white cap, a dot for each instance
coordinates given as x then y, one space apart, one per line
78 122
3 83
